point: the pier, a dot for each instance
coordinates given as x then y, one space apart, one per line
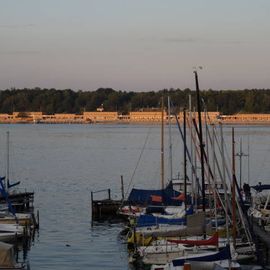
262 240
21 201
104 209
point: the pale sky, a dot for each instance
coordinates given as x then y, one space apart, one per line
134 45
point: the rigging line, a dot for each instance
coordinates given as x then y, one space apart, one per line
225 146
135 169
207 163
241 214
209 168
182 136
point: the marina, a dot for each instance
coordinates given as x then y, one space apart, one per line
154 230
85 242
135 135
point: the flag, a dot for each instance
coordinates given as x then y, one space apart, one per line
180 197
156 198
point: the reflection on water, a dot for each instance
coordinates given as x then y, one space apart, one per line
63 163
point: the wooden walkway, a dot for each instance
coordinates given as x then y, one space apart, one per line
262 238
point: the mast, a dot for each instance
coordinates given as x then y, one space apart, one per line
233 190
162 142
225 184
248 159
240 155
185 158
170 139
215 187
191 150
7 168
195 163
200 138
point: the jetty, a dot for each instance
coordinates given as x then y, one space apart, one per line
21 201
106 208
262 240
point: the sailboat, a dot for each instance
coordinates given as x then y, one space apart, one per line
151 197
12 198
163 251
201 261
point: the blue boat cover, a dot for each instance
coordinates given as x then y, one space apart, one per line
150 220
144 196
224 254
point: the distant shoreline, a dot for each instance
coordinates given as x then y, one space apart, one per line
133 118
128 123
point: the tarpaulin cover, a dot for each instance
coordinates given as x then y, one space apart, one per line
144 196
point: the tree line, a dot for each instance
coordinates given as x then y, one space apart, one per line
52 101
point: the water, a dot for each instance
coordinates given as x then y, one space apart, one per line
63 163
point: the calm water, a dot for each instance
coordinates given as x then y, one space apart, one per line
63 163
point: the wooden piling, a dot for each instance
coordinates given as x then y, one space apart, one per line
92 215
122 188
38 218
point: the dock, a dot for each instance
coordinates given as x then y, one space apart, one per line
262 241
21 201
105 209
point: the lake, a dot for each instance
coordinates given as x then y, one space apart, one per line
63 163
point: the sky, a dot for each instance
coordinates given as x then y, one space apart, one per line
140 45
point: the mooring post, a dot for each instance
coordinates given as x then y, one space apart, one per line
92 208
38 219
122 188
109 193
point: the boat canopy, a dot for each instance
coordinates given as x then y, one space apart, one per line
165 196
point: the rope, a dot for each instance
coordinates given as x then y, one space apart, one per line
135 169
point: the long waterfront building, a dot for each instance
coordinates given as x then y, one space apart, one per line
132 117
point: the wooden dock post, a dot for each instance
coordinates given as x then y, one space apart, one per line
34 221
37 221
92 208
122 188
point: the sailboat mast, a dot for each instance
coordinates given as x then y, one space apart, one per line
233 190
225 184
162 142
191 148
185 158
248 160
214 176
170 139
240 156
7 168
200 138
